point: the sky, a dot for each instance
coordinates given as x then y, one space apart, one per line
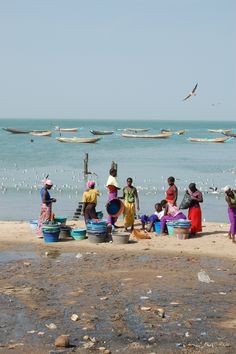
126 59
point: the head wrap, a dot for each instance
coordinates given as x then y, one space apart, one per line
90 184
226 189
48 182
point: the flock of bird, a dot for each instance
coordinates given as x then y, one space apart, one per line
30 181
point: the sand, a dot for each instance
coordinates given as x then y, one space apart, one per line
118 293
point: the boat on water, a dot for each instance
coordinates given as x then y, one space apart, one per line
176 132
147 136
101 132
230 134
41 133
219 130
16 131
78 140
137 130
66 130
206 140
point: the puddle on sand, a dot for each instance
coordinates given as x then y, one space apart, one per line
7 257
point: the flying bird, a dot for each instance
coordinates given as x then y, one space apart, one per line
192 93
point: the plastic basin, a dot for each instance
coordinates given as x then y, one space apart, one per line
33 224
120 238
51 236
99 214
115 207
60 219
157 227
170 228
96 237
181 233
78 234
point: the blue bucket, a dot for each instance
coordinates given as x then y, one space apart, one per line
99 214
60 219
51 236
170 227
157 227
78 234
33 224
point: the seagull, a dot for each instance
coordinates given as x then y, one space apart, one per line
192 93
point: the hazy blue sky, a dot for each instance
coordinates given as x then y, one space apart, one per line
133 59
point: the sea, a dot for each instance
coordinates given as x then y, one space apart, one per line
25 160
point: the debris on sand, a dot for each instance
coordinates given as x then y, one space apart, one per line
62 341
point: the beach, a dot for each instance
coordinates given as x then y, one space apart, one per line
143 297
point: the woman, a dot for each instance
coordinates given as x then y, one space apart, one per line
130 196
172 191
46 206
171 212
231 200
90 202
113 187
195 213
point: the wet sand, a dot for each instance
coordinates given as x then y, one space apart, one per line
144 297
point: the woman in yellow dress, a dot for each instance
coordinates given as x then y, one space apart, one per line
130 196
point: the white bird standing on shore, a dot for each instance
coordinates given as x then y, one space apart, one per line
192 93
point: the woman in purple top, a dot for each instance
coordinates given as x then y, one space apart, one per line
231 201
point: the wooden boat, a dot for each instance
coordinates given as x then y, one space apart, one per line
41 133
145 136
78 140
66 130
176 132
16 131
229 134
219 130
101 132
206 140
137 130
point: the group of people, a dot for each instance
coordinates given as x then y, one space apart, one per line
166 210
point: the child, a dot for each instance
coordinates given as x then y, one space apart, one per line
152 218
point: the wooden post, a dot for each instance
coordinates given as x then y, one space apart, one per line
86 165
114 165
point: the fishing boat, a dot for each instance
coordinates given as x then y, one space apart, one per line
66 130
149 136
176 132
230 134
78 140
219 130
206 140
41 133
137 130
101 132
16 131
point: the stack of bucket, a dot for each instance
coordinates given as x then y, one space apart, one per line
97 230
51 232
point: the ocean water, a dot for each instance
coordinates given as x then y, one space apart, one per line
23 164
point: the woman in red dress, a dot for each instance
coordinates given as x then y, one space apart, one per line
195 213
172 191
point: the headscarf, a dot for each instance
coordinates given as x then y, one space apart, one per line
90 184
226 189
